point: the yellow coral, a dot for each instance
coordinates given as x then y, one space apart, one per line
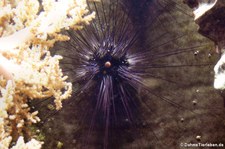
33 144
26 34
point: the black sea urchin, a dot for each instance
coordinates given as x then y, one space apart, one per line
111 61
108 61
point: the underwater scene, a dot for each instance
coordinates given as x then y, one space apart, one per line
112 74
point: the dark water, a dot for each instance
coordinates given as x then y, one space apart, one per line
180 103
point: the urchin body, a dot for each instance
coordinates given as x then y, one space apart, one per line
109 70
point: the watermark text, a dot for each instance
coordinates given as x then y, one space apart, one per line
202 145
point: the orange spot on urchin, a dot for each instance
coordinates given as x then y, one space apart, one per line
108 64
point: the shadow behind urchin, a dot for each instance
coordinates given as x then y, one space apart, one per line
157 110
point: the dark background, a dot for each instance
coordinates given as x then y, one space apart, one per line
161 125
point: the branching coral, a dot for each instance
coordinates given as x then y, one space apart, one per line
27 30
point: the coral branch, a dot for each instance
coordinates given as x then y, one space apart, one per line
27 69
